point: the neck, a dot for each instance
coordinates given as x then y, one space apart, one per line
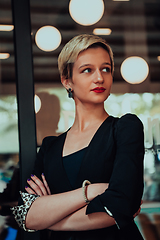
87 116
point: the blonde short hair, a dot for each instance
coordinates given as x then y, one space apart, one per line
72 49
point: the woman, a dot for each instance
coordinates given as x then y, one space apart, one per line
98 149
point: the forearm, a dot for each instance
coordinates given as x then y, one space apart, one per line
79 221
48 210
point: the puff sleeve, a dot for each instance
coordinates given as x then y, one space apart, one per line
123 196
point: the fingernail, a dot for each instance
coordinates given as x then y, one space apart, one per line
43 174
28 179
32 175
26 187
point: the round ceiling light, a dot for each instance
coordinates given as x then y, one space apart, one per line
86 12
37 103
48 38
134 70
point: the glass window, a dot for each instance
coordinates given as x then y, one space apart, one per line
9 146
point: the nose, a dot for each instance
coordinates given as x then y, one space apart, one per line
98 76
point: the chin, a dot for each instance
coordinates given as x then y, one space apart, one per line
101 98
93 100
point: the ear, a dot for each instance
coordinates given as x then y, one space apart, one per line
66 82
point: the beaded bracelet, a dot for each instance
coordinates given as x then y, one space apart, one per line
84 185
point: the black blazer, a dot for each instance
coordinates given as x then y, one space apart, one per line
115 156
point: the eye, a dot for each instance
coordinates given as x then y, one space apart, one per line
87 70
106 69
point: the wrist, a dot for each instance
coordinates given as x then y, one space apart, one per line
90 192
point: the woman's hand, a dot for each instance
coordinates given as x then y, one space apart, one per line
37 186
138 212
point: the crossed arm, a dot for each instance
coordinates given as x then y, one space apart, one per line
65 211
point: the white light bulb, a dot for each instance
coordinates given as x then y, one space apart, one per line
48 38
37 103
134 70
86 12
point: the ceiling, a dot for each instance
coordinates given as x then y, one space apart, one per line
135 29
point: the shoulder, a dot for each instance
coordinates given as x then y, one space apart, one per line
129 125
129 120
46 143
49 141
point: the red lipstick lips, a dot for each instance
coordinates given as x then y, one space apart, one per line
98 89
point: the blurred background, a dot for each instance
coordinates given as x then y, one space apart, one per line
132 29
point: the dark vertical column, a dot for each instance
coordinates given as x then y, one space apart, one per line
25 93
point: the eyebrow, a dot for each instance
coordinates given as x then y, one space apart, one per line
87 65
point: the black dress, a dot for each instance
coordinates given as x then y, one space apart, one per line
115 156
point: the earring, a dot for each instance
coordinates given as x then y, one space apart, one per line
70 94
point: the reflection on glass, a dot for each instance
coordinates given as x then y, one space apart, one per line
48 116
37 103
9 158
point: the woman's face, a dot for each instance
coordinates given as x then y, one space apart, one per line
91 76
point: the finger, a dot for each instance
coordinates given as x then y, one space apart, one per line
46 184
29 190
35 187
135 215
40 184
137 212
